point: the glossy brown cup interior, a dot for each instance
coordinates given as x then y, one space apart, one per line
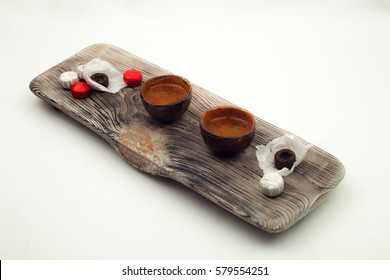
227 129
167 97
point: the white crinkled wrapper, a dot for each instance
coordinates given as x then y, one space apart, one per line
272 183
266 154
97 65
80 69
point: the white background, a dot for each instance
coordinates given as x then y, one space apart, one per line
66 194
198 269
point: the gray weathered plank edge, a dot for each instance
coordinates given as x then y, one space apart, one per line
178 152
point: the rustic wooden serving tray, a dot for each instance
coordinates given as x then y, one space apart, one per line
177 151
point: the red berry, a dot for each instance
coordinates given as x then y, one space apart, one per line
132 78
80 90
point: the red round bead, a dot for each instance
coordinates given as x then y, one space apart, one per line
80 90
132 78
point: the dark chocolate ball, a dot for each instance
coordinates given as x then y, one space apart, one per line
284 158
100 78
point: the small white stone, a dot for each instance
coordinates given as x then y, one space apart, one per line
67 79
271 184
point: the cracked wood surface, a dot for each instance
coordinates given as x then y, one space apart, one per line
177 150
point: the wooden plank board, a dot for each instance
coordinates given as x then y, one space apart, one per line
177 151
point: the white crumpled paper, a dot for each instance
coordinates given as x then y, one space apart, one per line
266 158
266 154
115 78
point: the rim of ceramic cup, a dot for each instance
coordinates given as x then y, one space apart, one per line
229 107
162 77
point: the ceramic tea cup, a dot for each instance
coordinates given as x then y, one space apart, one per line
227 129
166 97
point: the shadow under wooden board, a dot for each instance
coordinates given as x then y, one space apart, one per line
176 150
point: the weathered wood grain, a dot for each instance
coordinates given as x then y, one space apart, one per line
178 152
